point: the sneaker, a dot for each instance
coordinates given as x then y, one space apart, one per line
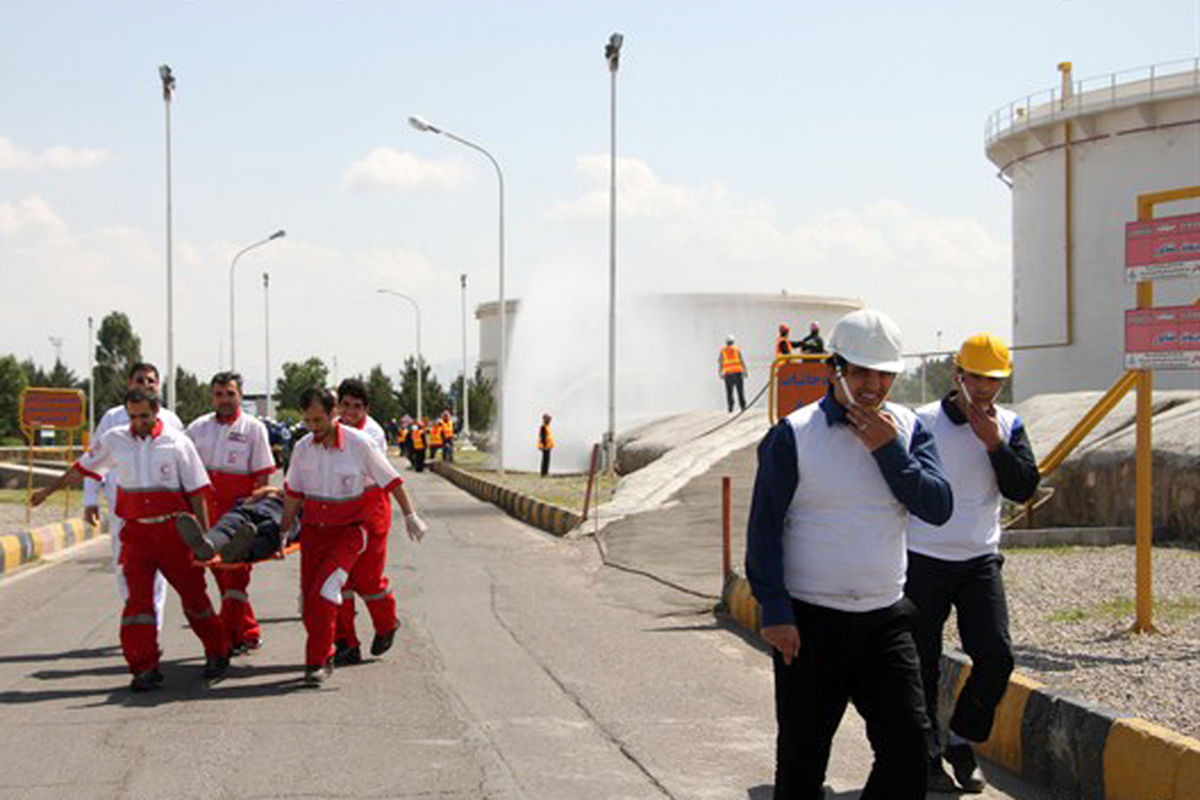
939 780
382 642
966 768
147 681
347 656
315 676
237 549
193 536
215 669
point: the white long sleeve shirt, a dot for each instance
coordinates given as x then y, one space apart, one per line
115 417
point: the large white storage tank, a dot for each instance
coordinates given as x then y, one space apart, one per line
1076 157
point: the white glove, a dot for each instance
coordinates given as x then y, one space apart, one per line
415 526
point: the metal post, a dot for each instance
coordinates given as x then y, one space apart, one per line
612 52
279 234
726 526
168 84
466 393
267 340
91 381
420 361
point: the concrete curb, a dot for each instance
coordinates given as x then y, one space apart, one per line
25 546
1057 741
550 518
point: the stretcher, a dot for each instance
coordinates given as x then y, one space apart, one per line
216 563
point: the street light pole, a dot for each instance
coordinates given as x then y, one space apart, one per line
279 234
91 381
267 339
425 127
612 52
420 361
466 394
168 86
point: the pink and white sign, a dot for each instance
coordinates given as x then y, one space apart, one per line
1162 248
1162 338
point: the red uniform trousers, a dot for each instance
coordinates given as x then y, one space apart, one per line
237 616
147 548
326 559
368 580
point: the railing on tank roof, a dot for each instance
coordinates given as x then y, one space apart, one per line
1138 85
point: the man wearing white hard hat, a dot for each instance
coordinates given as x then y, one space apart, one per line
988 457
825 556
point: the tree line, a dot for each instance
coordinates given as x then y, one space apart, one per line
118 347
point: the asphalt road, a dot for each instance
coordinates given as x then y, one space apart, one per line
524 669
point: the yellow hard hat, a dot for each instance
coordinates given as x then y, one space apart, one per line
985 354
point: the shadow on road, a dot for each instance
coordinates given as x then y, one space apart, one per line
111 651
767 791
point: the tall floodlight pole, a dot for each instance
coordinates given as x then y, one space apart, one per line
91 380
466 394
168 86
267 339
279 234
420 362
612 52
425 127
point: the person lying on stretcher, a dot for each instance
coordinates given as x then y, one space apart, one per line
247 532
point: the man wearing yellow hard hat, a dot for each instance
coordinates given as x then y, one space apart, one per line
987 456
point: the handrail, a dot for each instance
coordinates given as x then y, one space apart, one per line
1100 91
1089 421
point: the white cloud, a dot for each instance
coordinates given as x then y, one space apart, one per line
31 217
56 157
932 272
385 168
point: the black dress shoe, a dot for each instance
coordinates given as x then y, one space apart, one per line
939 780
215 669
347 656
966 769
383 642
147 681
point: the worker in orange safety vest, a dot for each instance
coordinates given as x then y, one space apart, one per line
732 369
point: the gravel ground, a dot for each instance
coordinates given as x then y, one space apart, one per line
1070 611
12 510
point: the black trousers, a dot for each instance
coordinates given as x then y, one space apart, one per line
976 590
419 459
734 381
870 659
545 462
264 514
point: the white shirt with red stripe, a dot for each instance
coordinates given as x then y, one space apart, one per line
156 473
236 452
379 504
333 479
116 417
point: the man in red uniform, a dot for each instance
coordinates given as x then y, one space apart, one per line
236 451
161 476
327 476
367 578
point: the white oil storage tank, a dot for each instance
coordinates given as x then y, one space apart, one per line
1077 157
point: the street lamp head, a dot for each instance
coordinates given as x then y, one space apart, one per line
279 234
423 125
168 80
612 50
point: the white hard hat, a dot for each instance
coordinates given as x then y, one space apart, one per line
868 338
729 339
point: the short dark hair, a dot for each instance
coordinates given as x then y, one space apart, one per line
222 378
141 366
317 394
353 387
141 396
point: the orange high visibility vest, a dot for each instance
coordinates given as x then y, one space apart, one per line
418 439
783 347
549 443
448 430
731 359
435 435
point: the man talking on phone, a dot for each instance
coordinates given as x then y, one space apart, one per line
825 556
987 457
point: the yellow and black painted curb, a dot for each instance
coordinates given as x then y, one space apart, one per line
25 546
550 518
1064 743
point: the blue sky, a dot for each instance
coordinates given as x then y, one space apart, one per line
833 148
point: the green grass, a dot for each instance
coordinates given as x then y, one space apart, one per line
17 497
1118 608
566 491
